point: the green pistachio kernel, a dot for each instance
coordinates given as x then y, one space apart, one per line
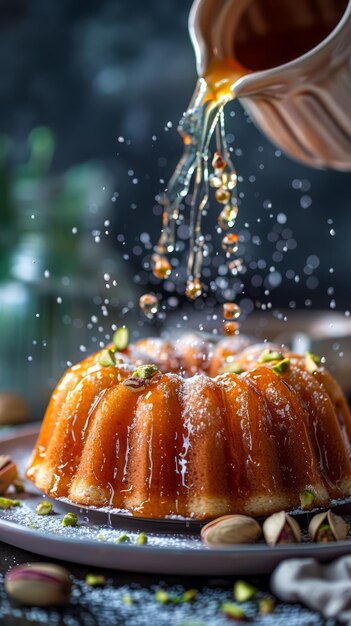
314 357
162 596
16 503
266 606
127 599
107 358
307 498
142 539
243 591
6 503
94 580
44 508
146 371
70 519
281 366
233 610
190 595
123 538
270 355
18 485
34 526
312 362
101 537
121 338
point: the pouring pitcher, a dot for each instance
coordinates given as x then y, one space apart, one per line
296 79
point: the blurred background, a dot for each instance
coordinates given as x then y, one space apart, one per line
91 93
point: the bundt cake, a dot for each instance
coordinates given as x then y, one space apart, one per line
196 429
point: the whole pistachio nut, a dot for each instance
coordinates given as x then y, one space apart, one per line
38 584
281 528
230 530
326 527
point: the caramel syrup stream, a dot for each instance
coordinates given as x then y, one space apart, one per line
204 116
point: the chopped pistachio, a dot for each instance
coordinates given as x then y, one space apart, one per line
281 366
94 580
307 498
312 362
175 599
107 358
189 595
121 338
101 537
127 599
123 538
18 485
70 519
34 526
270 355
142 539
233 610
314 357
44 508
16 503
266 605
243 591
6 503
146 371
161 596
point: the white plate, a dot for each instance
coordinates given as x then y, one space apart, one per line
92 542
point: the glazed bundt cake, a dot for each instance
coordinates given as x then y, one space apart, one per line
196 429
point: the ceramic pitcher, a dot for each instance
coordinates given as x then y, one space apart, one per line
297 87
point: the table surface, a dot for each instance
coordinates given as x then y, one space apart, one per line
130 598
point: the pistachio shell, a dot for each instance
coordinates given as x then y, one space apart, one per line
230 530
38 584
274 525
337 525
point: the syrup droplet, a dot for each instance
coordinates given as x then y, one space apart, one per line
218 163
227 216
148 304
231 311
230 180
222 195
235 265
161 267
230 243
231 328
215 181
193 288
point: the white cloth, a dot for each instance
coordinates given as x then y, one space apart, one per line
324 588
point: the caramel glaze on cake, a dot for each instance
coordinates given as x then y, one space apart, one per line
195 442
